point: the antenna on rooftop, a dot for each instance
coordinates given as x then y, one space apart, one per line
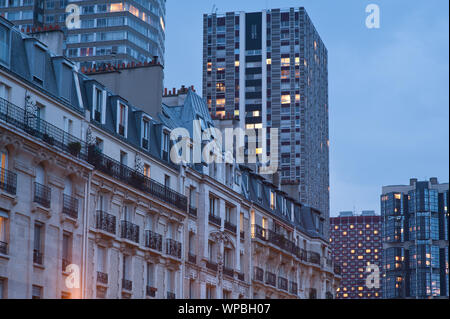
214 9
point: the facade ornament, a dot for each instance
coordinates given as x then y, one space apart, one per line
30 105
139 165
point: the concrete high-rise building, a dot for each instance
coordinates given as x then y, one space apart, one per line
415 239
356 243
110 32
269 69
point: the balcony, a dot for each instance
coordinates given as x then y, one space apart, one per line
70 206
215 220
193 211
38 257
259 274
271 279
283 283
293 288
42 195
192 258
337 270
314 258
127 285
106 222
129 231
151 291
102 278
259 232
153 240
228 272
3 248
171 295
230 227
65 264
212 265
173 248
135 179
42 130
8 181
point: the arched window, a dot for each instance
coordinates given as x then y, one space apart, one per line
40 174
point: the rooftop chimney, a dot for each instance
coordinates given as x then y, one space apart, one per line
53 38
434 181
413 181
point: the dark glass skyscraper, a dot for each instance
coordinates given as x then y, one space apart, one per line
415 236
112 32
270 69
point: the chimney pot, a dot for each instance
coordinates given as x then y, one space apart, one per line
413 181
434 181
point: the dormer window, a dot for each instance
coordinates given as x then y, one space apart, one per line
145 133
165 146
273 200
122 119
259 191
98 105
38 64
4 45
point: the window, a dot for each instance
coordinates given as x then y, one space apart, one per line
126 215
145 133
191 289
151 275
38 234
170 281
4 218
36 292
147 170
273 200
165 147
229 214
4 91
2 288
101 260
67 250
98 106
3 167
122 120
68 125
123 158
212 206
211 255
167 181
4 45
210 292
228 258
192 201
126 267
259 191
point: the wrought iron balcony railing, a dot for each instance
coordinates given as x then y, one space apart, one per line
153 240
127 285
42 130
70 206
259 232
8 181
192 211
259 274
230 226
106 222
192 258
38 257
173 248
3 248
151 291
293 288
212 265
129 231
171 295
283 283
314 258
102 278
228 272
271 279
135 179
42 195
215 220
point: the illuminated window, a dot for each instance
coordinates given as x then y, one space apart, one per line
336 227
220 87
360 257
236 113
353 251
352 226
259 151
297 97
256 114
345 295
345 233
273 200
209 66
163 26
398 196
360 289
258 126
285 74
269 61
368 251
376 232
367 226
297 61
220 114
285 62
236 63
250 126
220 102
115 7
285 99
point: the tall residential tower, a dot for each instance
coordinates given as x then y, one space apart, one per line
268 69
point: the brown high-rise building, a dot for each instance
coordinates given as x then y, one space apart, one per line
356 244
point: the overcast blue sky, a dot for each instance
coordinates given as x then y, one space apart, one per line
389 98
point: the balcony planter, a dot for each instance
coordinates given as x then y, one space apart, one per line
74 148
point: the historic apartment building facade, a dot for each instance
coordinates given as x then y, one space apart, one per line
109 32
269 69
415 240
93 198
